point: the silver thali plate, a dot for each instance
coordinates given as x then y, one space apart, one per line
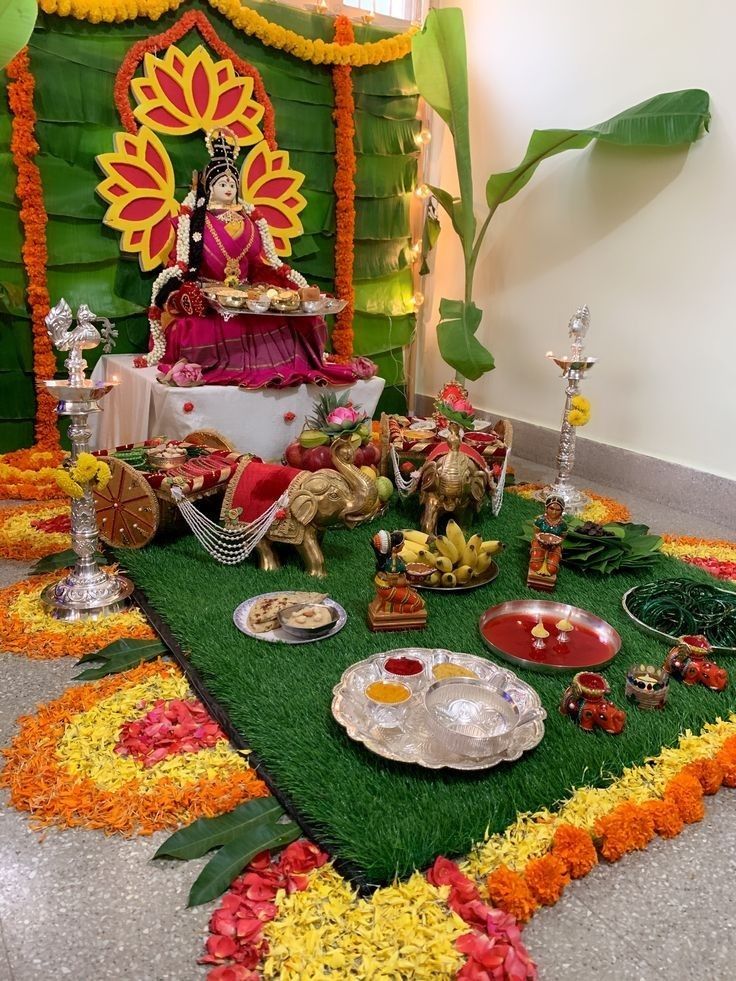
668 638
488 576
414 739
607 641
279 636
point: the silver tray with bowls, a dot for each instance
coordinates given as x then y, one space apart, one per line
557 658
488 576
462 723
231 301
280 635
669 638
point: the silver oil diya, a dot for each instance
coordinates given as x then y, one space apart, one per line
462 723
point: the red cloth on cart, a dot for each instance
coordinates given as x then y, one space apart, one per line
259 486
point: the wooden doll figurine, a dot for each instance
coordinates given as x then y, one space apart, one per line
546 549
397 606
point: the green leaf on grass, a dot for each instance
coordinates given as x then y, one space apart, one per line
204 834
232 858
146 648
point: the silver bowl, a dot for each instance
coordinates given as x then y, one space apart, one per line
259 305
472 717
313 306
307 633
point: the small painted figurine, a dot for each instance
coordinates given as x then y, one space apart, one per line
689 663
546 550
397 606
585 701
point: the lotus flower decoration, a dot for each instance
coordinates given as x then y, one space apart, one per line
180 94
268 182
139 186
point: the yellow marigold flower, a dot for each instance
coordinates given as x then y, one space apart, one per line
67 484
580 402
577 418
85 468
103 475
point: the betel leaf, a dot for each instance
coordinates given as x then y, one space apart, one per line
207 833
17 18
441 69
122 662
668 119
146 648
231 859
457 341
59 560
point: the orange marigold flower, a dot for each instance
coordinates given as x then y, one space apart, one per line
546 877
708 772
575 848
666 817
510 892
686 794
627 828
727 758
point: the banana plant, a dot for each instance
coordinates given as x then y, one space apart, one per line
17 18
441 71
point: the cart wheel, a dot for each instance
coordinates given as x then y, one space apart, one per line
127 509
209 438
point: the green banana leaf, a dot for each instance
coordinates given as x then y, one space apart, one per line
17 18
376 335
15 434
380 176
669 119
458 344
430 235
11 240
204 834
374 134
16 345
18 395
383 218
391 366
390 107
388 295
441 68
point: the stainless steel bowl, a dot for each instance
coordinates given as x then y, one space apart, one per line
259 304
304 633
472 717
313 306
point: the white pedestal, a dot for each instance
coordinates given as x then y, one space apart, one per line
140 407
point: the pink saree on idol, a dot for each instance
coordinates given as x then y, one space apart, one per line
223 239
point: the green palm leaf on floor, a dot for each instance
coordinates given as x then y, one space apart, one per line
251 828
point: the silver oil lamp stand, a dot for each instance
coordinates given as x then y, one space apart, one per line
574 366
88 591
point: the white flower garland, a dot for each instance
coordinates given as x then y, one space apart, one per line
269 250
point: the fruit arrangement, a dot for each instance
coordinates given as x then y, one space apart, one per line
455 560
333 416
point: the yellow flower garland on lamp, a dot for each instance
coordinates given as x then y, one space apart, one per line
579 414
248 21
88 469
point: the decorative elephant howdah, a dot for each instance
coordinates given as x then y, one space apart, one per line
313 501
585 700
454 480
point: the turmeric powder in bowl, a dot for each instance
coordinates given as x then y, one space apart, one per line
387 692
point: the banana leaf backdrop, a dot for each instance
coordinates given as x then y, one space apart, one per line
74 64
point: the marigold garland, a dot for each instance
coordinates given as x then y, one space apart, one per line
62 768
246 20
22 536
33 217
193 19
29 474
27 629
344 186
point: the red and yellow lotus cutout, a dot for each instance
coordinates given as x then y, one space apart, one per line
177 95
140 187
180 94
267 181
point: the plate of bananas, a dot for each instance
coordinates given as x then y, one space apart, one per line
457 563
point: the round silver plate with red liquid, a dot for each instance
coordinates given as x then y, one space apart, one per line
408 735
507 630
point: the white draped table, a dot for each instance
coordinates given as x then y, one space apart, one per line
139 407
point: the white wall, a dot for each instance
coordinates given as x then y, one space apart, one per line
646 238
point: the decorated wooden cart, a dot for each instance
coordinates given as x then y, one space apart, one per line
137 503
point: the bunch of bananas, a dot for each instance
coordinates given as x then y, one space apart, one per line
455 561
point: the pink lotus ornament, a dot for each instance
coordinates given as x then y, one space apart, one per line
344 417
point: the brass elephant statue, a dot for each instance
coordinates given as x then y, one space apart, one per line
316 501
452 481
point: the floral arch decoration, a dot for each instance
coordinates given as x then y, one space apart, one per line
178 94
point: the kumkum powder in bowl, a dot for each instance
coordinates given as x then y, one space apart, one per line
403 666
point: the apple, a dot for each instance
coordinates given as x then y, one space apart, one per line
372 454
319 458
294 455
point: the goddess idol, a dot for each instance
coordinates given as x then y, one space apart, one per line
222 239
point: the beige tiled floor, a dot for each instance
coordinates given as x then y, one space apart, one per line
76 904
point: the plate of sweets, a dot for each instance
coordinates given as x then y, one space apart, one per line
290 617
438 708
545 636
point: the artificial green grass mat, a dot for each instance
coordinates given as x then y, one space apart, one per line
388 818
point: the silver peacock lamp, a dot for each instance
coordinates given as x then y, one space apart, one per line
574 366
88 591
